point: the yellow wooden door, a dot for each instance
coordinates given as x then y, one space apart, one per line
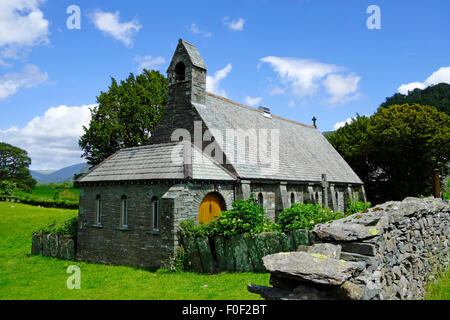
209 208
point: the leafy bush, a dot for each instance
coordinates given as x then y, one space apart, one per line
446 189
305 216
7 188
356 206
179 261
68 228
246 217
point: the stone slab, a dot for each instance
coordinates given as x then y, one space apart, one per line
308 267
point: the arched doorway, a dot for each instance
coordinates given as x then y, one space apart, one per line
210 207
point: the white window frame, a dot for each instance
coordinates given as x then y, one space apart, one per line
124 212
98 218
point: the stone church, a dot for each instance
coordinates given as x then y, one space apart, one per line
206 152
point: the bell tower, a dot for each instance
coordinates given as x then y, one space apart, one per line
186 74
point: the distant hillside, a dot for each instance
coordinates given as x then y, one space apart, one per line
437 96
59 176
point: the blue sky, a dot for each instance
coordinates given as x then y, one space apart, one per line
300 58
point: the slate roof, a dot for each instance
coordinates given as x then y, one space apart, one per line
157 162
194 55
304 153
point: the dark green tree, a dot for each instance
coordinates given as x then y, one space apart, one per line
14 163
437 96
126 115
396 150
351 143
406 143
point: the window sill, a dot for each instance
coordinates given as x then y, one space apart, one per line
99 226
123 229
155 232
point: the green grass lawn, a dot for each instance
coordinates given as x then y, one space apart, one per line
36 277
439 289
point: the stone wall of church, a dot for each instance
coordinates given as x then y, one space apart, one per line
303 193
137 245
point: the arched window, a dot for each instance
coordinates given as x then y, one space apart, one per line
260 200
98 210
180 71
292 198
124 212
155 212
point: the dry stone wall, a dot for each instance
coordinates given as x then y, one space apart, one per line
53 245
388 252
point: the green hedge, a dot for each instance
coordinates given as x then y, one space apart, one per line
62 204
67 228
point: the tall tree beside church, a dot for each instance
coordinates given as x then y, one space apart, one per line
437 96
396 150
126 115
406 143
14 163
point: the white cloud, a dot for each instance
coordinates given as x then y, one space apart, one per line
234 25
252 101
212 82
108 22
304 77
147 62
405 88
51 140
193 28
22 26
343 123
29 77
277 90
341 87
440 76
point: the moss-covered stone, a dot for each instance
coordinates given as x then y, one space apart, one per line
287 242
36 244
206 257
219 246
190 246
229 257
254 255
301 237
241 254
272 242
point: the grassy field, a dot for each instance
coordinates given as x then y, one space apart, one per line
36 277
439 289
46 192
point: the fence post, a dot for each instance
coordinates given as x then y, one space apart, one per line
436 184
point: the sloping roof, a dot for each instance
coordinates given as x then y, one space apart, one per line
304 153
157 162
194 55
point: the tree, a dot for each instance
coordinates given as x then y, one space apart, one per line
351 143
126 115
406 143
437 96
14 163
396 150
